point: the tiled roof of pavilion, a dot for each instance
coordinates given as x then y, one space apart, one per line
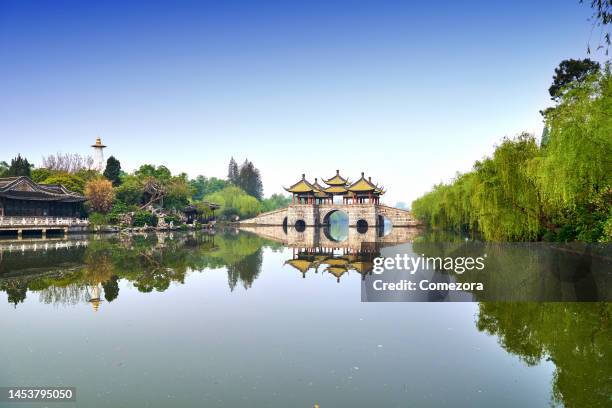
337 180
319 190
362 186
302 186
23 188
380 190
336 190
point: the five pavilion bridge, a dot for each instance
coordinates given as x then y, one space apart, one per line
313 204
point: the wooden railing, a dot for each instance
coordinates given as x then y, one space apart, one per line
42 221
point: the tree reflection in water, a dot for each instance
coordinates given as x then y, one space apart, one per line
576 337
149 263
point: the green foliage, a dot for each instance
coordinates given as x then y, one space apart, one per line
578 158
19 167
72 182
178 192
113 171
274 202
119 208
175 219
40 174
142 217
4 166
149 170
97 219
561 191
569 73
235 202
174 192
606 235
203 186
131 191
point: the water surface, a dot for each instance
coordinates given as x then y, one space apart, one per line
232 319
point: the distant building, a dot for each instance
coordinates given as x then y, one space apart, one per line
98 154
21 197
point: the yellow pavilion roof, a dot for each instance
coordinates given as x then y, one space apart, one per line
336 190
302 186
362 185
319 189
337 180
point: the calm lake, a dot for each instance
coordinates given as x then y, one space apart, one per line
254 319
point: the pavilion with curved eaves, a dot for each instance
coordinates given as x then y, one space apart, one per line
312 204
362 191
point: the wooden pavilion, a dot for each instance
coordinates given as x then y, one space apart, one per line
21 197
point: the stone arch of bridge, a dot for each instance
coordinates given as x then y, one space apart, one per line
329 212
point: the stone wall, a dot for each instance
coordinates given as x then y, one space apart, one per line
399 218
305 212
275 217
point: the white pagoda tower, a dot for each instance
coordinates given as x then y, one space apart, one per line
98 154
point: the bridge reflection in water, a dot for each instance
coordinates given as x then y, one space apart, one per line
316 248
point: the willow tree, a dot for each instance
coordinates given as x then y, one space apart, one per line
498 198
506 200
575 174
578 160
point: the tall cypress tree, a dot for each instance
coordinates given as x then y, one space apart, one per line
232 172
249 180
113 171
19 167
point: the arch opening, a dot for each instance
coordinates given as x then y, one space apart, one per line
336 226
362 226
384 226
285 224
300 225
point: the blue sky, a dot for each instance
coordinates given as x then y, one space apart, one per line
408 93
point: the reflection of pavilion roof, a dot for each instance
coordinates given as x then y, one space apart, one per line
361 267
302 186
302 265
362 186
335 261
337 180
337 271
